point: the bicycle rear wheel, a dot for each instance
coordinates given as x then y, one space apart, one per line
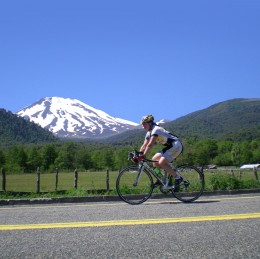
130 192
192 185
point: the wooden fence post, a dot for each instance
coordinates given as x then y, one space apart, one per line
232 173
107 180
3 180
76 178
56 179
255 172
38 181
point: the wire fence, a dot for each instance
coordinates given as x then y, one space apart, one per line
93 181
59 181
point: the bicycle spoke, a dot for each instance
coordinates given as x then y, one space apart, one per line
192 185
132 189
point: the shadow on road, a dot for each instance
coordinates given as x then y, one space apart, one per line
179 202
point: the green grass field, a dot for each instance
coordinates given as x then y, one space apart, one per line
86 181
94 181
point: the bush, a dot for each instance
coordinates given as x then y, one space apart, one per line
226 182
221 182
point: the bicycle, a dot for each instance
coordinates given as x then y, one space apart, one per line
135 184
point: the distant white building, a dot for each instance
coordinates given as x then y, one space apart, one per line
252 166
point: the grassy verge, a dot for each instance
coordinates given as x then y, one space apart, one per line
227 180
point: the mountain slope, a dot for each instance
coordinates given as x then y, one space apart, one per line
16 130
72 118
237 119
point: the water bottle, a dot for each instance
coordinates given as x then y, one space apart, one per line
157 172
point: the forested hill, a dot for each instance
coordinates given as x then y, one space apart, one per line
16 130
237 119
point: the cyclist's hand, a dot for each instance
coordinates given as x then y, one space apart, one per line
141 157
136 159
136 156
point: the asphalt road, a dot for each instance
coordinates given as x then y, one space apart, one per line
212 227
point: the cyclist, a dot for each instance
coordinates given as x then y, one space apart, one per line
172 147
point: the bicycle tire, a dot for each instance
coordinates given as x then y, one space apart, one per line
192 186
130 193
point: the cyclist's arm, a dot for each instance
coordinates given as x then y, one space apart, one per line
143 147
148 144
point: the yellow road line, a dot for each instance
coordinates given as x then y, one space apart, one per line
129 222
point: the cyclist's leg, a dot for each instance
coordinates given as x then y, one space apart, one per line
168 155
164 164
156 157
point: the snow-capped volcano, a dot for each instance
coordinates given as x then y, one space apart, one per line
67 117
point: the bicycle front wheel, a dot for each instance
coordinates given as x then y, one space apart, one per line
132 187
192 186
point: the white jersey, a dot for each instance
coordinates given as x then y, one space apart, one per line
163 136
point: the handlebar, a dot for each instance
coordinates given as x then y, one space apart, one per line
136 156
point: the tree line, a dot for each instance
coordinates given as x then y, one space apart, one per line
97 156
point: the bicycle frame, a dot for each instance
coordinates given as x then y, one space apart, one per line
143 164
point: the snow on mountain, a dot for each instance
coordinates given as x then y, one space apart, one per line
162 121
67 117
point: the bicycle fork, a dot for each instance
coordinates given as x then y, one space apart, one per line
140 170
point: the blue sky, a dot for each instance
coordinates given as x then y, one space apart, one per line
130 58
